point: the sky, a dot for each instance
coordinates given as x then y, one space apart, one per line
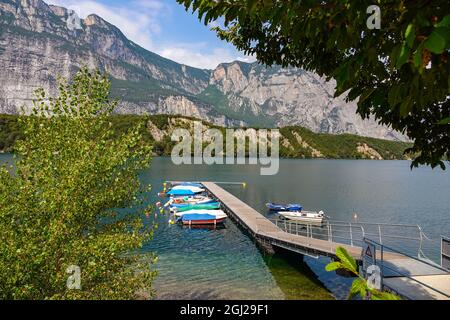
163 27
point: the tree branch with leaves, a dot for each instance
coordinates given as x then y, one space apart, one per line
63 203
359 286
398 74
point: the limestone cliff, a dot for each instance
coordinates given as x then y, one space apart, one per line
39 42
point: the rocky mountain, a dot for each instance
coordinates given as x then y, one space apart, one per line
39 42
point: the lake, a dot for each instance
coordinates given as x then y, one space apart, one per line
226 264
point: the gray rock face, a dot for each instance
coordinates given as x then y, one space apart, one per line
37 45
293 97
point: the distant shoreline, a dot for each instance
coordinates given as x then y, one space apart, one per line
295 142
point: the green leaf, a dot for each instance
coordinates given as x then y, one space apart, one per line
394 95
403 56
332 266
421 20
251 5
359 287
382 295
436 42
445 22
405 107
444 121
366 94
347 261
410 35
417 58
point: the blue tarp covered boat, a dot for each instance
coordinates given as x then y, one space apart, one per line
201 218
183 205
284 207
180 192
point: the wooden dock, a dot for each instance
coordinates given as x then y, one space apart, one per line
420 276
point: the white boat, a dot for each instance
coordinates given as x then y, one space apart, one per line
304 216
202 217
194 189
219 214
189 200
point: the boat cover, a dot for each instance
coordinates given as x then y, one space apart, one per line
203 206
287 207
180 192
192 188
197 216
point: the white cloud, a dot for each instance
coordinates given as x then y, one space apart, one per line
193 55
140 21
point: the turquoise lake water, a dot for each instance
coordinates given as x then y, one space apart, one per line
226 264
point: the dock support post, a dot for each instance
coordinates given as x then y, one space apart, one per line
265 245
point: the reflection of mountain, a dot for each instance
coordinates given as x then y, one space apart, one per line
36 46
295 278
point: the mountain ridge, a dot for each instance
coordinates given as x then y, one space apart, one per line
36 45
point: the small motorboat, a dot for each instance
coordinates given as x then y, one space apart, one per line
304 216
202 218
179 193
284 207
194 206
186 200
194 189
190 184
217 212
183 192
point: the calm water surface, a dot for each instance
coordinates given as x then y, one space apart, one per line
225 263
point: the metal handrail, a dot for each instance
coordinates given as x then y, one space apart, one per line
333 229
376 223
406 254
287 227
404 274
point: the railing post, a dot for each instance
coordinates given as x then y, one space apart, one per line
382 265
379 232
351 235
420 243
331 234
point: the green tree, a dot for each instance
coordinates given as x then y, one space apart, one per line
359 285
57 205
399 73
